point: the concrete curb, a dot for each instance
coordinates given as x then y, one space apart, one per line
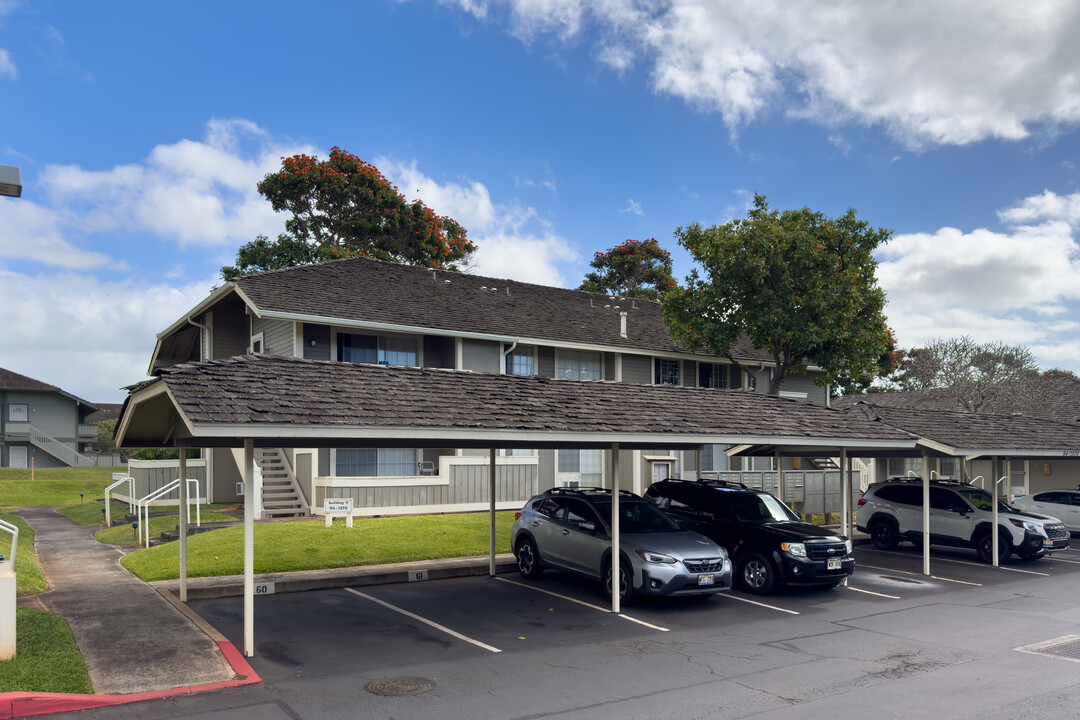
299 581
24 704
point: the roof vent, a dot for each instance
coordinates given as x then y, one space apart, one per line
446 281
622 323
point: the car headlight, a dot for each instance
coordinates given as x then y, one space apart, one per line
652 557
796 549
848 547
1029 526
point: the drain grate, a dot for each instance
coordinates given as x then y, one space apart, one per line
400 686
1066 647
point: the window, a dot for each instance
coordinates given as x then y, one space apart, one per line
899 467
376 462
950 467
587 463
384 350
713 375
666 371
18 412
713 458
579 365
519 452
257 344
521 361
901 494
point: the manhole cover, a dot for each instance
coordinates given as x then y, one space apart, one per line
400 686
1066 647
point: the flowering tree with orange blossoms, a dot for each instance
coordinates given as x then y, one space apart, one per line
344 207
798 284
636 268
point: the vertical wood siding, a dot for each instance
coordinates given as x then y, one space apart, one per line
468 484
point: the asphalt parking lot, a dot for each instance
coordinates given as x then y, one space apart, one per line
894 643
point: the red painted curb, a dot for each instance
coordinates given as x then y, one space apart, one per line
23 704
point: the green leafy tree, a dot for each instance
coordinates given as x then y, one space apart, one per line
344 207
636 268
798 284
105 431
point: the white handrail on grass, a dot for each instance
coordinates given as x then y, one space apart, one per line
108 505
14 530
143 507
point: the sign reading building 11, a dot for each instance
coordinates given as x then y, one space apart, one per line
338 507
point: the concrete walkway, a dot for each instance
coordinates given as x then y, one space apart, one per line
133 638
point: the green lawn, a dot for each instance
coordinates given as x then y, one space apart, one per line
54 486
288 546
125 534
89 513
46 657
28 577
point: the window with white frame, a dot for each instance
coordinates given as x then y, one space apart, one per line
713 375
589 464
18 412
518 452
899 467
257 344
375 462
949 467
713 458
521 361
381 349
666 371
579 365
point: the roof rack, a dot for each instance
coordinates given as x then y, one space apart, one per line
585 488
711 483
936 481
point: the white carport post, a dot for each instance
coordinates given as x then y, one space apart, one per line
845 499
491 505
249 548
994 505
926 513
780 489
183 524
616 557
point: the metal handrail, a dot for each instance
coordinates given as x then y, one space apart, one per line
108 506
143 507
14 530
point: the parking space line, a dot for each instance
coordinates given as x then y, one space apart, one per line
1057 559
966 562
868 592
932 577
414 616
581 602
755 602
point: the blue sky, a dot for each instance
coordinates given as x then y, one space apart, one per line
550 129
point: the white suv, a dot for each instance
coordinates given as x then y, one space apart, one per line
961 515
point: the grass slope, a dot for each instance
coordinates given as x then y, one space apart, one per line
46 657
281 547
125 534
54 486
28 577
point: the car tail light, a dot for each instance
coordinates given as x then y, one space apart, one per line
862 501
517 515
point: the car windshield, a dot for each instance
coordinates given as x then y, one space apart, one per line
637 517
983 500
761 508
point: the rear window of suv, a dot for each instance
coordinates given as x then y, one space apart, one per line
902 494
638 517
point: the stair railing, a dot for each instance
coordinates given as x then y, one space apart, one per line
143 507
108 505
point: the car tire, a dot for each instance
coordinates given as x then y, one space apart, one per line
756 574
626 581
528 559
984 548
883 534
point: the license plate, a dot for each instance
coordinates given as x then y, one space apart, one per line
1048 543
833 563
705 579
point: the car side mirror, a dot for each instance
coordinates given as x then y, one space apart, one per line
959 509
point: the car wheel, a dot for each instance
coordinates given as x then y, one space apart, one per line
625 581
528 559
757 574
984 548
883 535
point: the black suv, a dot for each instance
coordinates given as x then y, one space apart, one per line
769 544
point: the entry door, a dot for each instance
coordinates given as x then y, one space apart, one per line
660 471
17 456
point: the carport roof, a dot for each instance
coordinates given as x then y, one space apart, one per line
978 434
306 403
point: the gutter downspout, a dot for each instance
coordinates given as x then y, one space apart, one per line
506 352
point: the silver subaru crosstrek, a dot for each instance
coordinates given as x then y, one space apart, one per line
570 529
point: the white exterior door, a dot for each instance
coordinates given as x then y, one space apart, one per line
17 456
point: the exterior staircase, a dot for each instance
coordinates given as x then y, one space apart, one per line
58 450
281 496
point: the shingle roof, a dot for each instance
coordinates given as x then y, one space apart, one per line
14 381
977 430
105 411
267 390
374 291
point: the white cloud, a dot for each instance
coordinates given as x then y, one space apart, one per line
38 234
632 207
7 65
86 336
1017 285
951 72
512 240
192 192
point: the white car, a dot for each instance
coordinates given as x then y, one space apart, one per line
1062 504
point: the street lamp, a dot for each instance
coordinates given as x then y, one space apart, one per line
10 181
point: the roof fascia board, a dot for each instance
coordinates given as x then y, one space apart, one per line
975 453
137 397
938 446
397 328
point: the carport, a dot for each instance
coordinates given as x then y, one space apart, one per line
268 401
938 433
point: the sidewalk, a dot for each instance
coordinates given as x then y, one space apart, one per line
133 639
